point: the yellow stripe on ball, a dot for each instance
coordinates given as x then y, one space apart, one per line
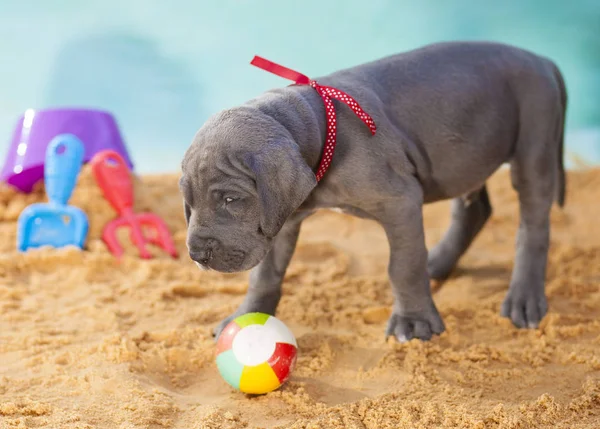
258 379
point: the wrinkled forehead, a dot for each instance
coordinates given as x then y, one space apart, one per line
196 170
204 172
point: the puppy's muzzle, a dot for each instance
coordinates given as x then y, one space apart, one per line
202 250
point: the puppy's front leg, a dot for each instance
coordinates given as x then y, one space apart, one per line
414 313
264 290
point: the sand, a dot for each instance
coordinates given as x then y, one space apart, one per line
89 343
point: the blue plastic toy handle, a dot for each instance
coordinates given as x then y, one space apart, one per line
64 156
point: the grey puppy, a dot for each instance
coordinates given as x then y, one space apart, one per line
448 115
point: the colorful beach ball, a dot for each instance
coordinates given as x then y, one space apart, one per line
256 353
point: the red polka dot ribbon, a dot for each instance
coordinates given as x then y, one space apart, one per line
326 93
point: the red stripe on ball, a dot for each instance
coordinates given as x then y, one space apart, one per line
283 360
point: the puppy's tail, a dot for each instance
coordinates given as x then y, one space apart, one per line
562 181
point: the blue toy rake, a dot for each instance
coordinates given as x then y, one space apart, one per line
55 223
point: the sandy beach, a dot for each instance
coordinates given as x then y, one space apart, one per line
86 342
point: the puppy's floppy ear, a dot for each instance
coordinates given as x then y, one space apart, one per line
283 182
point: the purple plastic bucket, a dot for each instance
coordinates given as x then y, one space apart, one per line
24 163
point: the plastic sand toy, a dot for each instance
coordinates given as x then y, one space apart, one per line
24 163
113 177
55 223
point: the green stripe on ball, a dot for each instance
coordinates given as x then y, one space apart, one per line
251 319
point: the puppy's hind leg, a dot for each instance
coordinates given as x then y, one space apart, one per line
538 176
525 304
469 215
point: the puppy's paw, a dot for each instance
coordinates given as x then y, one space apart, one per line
526 306
423 326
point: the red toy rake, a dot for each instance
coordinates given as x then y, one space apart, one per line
113 177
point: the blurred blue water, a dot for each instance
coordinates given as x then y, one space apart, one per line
163 67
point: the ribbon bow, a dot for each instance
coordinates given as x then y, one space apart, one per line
326 93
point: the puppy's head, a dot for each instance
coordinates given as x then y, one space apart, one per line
243 176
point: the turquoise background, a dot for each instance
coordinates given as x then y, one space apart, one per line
162 67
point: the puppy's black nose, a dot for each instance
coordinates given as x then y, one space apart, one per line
201 250
202 256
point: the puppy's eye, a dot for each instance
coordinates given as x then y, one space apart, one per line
229 200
